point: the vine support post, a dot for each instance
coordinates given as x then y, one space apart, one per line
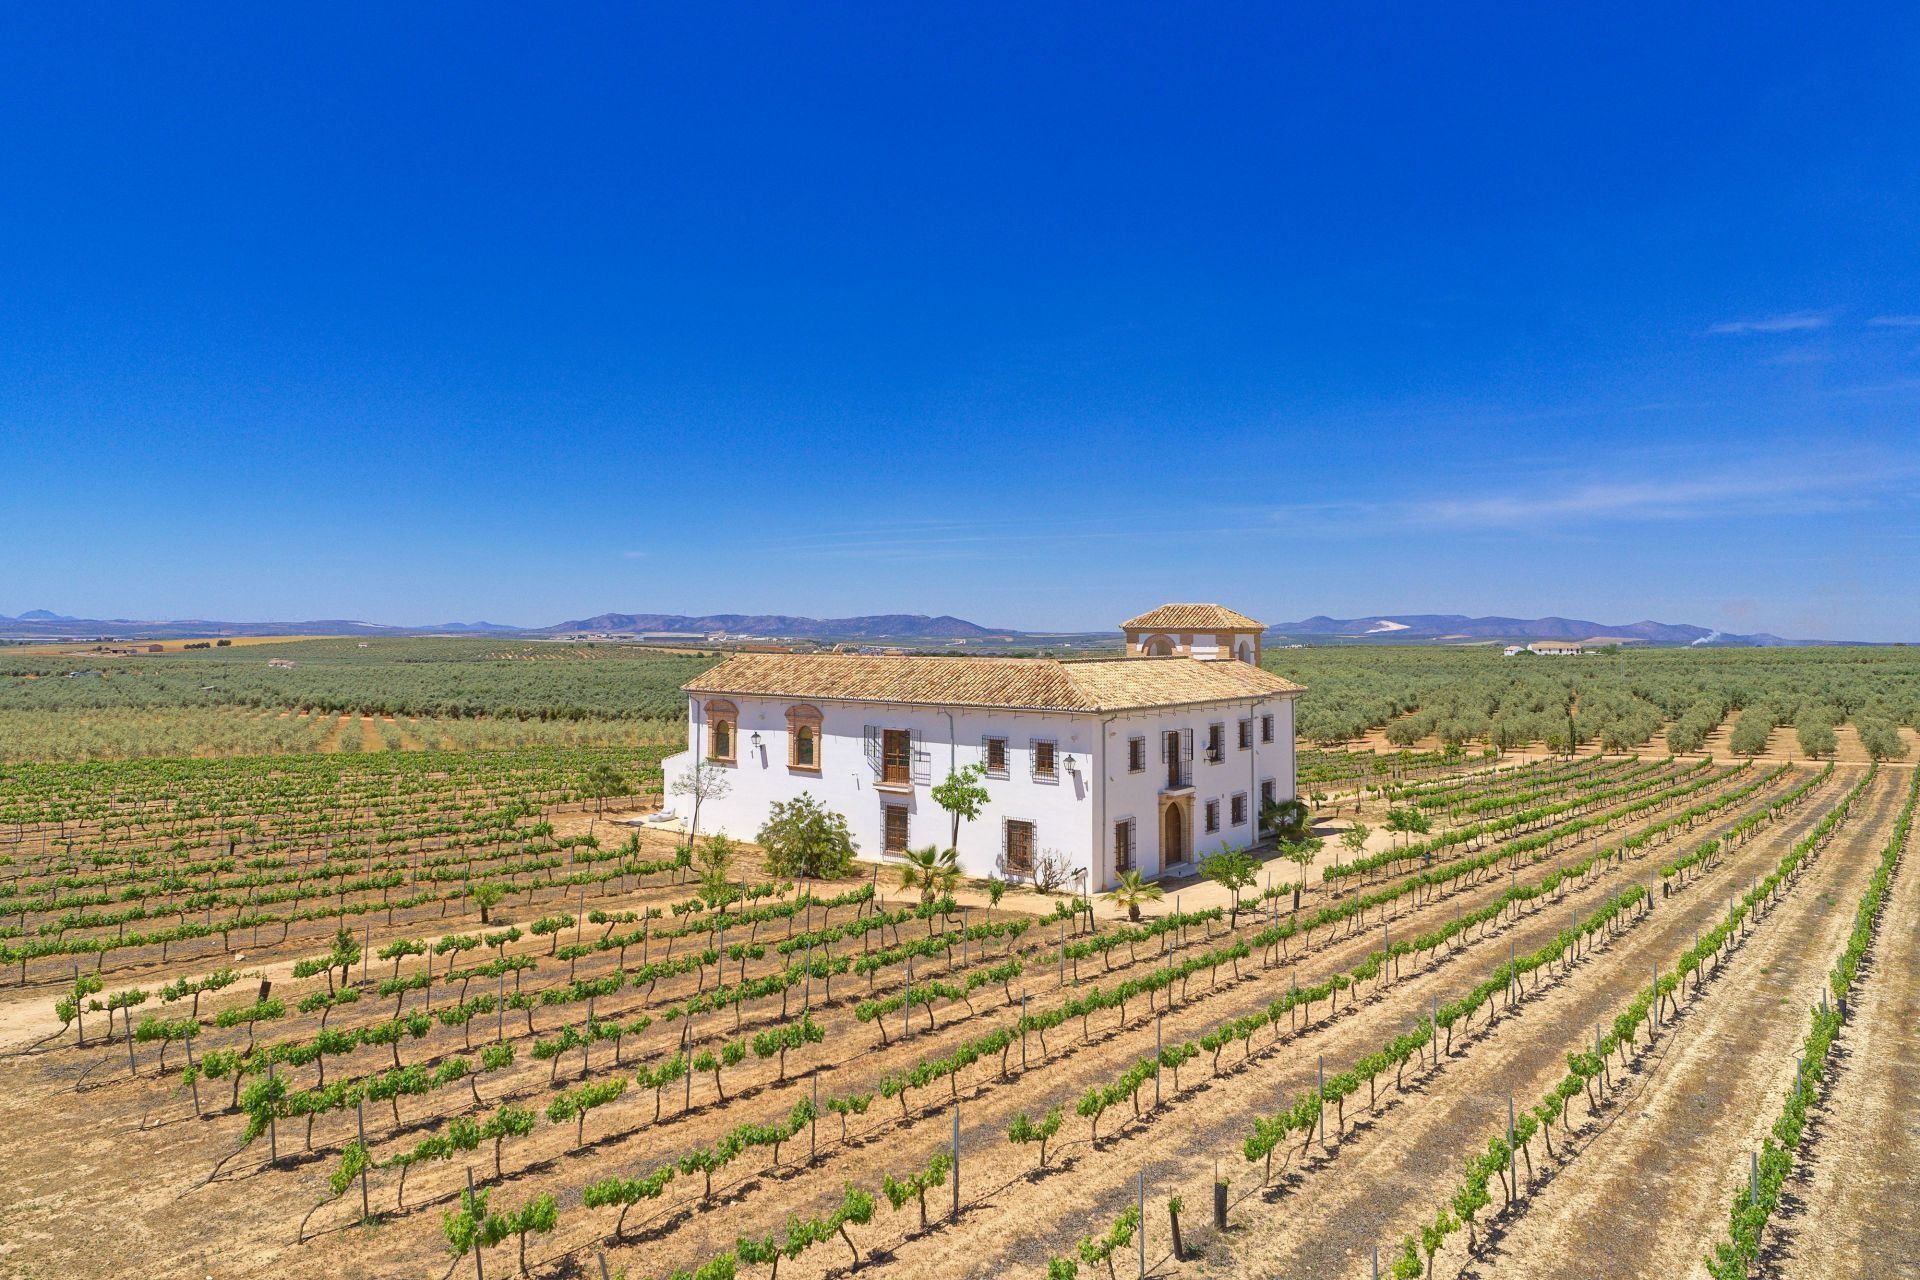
1142 1228
1320 1095
126 1015
1753 1179
1513 1156
813 1121
1023 1032
477 1272
1158 1019
360 1120
956 1160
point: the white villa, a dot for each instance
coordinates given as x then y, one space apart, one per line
1148 761
1547 649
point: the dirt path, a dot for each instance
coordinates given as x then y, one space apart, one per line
1648 1195
1849 1208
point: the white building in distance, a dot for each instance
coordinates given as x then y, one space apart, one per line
1145 762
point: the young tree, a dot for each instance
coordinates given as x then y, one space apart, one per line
1301 853
1233 870
603 782
1354 838
1133 890
705 781
934 872
962 795
715 860
804 838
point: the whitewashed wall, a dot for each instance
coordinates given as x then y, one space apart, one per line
1061 811
1137 795
1074 815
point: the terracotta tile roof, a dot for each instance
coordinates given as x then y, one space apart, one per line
1115 683
1041 684
1194 617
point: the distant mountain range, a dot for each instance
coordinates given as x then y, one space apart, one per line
1383 628
887 625
41 623
1406 627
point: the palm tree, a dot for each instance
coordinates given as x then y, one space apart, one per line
933 871
1133 890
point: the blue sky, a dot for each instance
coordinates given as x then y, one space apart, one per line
1035 315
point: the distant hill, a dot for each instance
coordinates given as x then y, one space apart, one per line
38 623
891 625
1409 627
1392 628
42 623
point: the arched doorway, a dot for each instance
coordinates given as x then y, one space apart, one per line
1173 836
1157 647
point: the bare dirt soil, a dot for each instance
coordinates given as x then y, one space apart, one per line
114 1174
1849 1208
1672 1153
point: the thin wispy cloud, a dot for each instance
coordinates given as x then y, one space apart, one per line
633 555
1538 500
1896 322
1686 499
1548 501
1793 322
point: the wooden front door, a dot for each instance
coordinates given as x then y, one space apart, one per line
1173 839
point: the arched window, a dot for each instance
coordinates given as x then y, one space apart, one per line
723 723
803 737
